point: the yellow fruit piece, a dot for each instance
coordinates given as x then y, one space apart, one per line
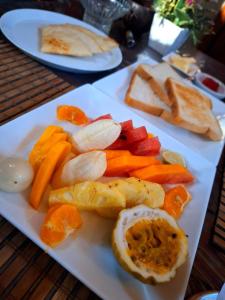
137 191
88 195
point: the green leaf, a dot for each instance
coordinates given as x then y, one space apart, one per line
197 17
181 15
180 4
195 38
185 24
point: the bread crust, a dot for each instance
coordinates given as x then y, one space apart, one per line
200 109
154 85
189 109
157 111
141 106
215 133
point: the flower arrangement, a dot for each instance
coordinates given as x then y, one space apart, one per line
192 14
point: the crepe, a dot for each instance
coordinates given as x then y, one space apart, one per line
67 39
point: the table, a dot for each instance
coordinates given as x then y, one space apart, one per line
26 271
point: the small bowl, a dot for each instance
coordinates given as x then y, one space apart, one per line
199 77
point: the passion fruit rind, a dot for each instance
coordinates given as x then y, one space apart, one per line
130 217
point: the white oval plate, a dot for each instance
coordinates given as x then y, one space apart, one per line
21 27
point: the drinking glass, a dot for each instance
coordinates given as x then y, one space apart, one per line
102 13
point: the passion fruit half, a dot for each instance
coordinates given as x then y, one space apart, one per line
149 244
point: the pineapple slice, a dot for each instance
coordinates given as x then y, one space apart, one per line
88 195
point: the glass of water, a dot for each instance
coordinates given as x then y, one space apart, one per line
102 13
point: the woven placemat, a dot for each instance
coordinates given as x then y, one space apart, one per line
24 83
219 229
27 272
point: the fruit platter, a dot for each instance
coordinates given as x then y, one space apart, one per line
115 200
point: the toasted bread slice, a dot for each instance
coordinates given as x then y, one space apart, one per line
191 126
191 110
156 76
212 133
215 132
168 117
140 95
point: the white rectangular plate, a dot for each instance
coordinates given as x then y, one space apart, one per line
116 85
89 257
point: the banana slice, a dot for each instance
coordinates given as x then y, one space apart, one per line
97 135
86 166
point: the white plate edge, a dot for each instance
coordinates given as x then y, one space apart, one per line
59 66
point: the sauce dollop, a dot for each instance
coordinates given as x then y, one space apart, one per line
211 84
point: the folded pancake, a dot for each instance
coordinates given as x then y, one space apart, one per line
67 39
